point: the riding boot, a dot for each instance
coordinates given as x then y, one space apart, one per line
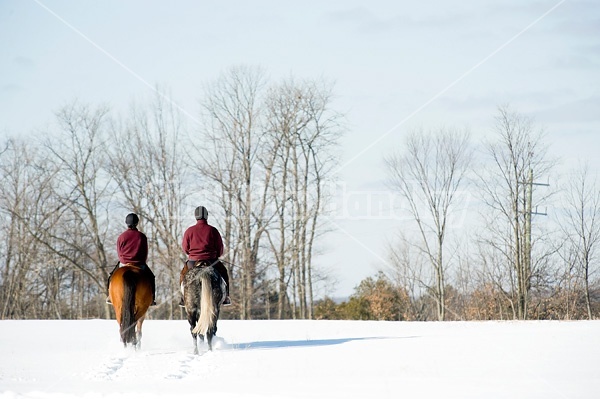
227 300
108 283
153 293
153 288
182 277
220 267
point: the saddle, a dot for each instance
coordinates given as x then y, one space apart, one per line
200 263
141 267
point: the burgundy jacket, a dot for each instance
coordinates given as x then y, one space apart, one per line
132 247
202 242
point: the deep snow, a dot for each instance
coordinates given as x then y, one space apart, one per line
303 359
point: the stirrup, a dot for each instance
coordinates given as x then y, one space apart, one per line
181 304
108 301
227 301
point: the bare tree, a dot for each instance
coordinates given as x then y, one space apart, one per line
406 271
302 132
28 183
62 208
78 153
495 282
518 158
285 118
429 173
581 227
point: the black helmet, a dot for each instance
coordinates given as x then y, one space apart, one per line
132 220
201 213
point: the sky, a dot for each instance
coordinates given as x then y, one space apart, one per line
397 67
302 359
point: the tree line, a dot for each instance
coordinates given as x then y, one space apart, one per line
259 155
507 265
256 157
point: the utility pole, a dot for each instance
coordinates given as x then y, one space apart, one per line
526 278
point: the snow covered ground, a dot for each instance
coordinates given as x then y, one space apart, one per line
303 359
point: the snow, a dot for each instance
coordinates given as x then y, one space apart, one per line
303 359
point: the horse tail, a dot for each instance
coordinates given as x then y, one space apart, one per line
128 308
207 307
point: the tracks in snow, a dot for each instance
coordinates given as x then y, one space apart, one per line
152 365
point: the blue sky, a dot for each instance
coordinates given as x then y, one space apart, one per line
396 67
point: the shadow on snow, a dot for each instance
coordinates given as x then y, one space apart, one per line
305 343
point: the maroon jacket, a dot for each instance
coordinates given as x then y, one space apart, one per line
132 247
202 242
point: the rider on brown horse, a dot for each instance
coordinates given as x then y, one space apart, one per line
132 248
203 246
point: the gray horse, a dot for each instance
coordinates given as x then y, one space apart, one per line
203 294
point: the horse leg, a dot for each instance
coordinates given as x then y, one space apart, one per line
209 337
195 342
138 333
212 331
192 319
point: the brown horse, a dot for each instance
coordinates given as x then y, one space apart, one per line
130 292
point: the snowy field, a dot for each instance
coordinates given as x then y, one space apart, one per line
303 359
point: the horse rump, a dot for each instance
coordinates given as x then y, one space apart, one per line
203 296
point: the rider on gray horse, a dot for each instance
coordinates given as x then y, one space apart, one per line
203 246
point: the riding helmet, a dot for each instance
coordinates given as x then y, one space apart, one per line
201 213
132 220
